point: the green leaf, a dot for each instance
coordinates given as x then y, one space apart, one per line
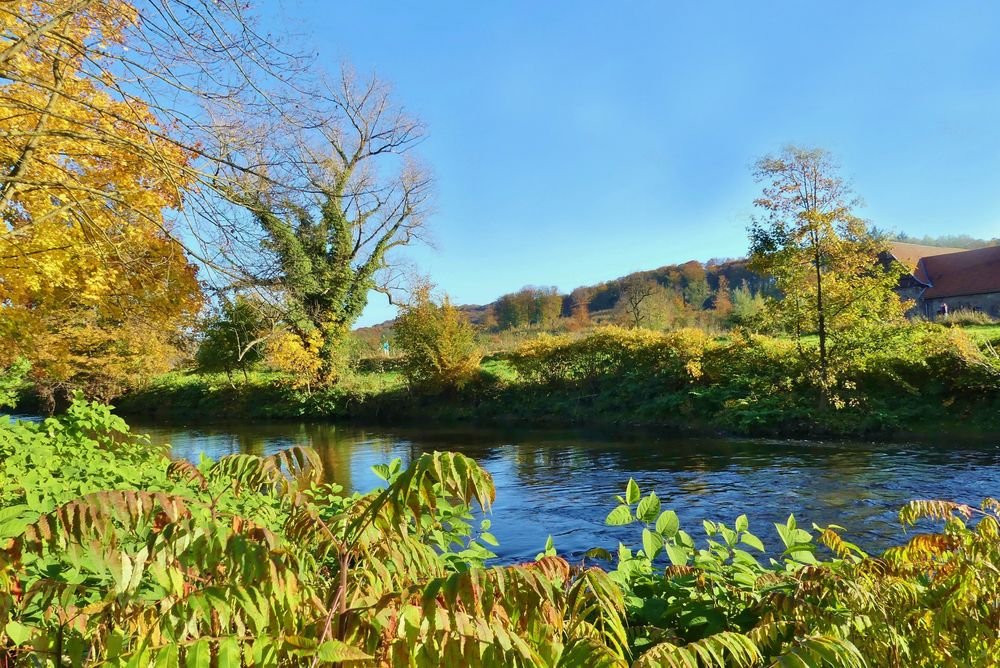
632 493
168 657
265 654
678 555
199 655
229 653
668 524
648 508
489 538
752 541
18 632
620 516
599 553
742 523
785 534
651 543
684 539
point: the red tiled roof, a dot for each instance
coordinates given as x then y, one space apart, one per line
910 254
970 272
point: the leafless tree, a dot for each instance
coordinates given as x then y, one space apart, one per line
632 294
349 196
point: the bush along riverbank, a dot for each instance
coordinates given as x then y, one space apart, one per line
113 554
924 377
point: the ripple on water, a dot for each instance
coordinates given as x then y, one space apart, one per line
563 483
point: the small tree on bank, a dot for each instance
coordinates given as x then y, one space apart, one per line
824 260
234 338
722 301
437 341
642 302
747 305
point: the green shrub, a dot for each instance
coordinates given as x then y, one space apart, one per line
754 382
673 359
12 382
438 344
927 603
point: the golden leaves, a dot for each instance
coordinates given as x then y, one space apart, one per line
92 279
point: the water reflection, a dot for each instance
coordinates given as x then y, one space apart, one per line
563 482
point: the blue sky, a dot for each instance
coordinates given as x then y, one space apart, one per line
574 142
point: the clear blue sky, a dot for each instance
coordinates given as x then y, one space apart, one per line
576 141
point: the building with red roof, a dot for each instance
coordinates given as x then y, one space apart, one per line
945 280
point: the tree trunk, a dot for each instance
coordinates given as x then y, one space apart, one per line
821 326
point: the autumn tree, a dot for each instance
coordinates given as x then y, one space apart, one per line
823 260
580 306
694 284
437 341
529 305
108 147
514 310
332 240
169 83
722 300
548 306
93 283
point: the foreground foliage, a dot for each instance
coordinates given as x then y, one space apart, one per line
114 554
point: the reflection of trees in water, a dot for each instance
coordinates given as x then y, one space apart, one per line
858 485
534 462
338 447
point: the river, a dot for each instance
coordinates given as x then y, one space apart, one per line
562 483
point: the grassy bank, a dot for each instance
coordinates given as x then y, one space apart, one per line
926 378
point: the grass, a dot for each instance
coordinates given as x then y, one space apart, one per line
984 333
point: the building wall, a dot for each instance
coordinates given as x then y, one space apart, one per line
987 303
912 295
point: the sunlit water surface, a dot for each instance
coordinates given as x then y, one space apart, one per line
563 483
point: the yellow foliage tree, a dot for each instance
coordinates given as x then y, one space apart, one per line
298 356
92 282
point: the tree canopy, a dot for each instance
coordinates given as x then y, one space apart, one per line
823 259
365 197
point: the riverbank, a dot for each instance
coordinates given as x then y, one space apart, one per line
938 382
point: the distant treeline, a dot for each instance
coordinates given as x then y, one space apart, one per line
692 286
947 240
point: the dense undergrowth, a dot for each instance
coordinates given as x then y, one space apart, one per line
112 554
921 377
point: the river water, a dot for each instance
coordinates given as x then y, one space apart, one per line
563 483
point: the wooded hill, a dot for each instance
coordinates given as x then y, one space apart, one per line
695 283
